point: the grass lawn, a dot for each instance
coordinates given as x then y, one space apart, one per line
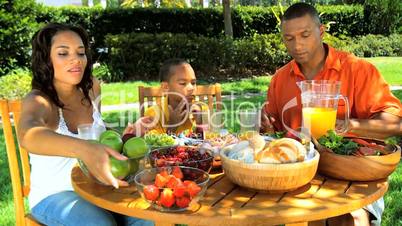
390 68
7 216
121 93
127 92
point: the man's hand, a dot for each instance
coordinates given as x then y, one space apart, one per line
267 121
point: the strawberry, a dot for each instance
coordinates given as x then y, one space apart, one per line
173 182
160 181
183 202
188 182
176 172
167 198
151 192
164 173
180 190
193 189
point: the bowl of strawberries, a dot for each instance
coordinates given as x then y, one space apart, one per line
173 188
178 155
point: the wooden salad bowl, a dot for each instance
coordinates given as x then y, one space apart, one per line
359 168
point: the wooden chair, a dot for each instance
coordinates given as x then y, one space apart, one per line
204 93
20 181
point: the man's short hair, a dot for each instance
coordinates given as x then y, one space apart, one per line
165 71
300 9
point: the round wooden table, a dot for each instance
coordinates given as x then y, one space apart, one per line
228 204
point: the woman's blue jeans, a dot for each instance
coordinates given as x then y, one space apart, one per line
67 208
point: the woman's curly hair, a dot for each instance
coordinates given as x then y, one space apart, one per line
42 67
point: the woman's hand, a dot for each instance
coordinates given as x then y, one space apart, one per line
96 159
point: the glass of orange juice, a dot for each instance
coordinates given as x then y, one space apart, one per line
320 105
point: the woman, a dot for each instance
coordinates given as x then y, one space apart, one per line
62 97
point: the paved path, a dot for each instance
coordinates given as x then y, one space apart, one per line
396 87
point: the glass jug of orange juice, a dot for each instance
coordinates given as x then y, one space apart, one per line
320 105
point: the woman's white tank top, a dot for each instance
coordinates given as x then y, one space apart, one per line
52 174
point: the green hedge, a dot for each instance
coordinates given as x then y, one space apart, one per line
16 84
369 45
349 20
17 25
138 56
247 21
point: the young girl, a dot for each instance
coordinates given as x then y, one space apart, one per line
62 97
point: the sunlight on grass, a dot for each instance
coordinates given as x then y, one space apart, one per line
127 92
122 92
254 85
389 67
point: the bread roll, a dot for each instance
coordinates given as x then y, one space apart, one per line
242 151
283 150
257 143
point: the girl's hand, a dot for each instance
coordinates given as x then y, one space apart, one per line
140 127
196 111
177 115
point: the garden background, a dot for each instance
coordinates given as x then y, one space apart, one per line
131 39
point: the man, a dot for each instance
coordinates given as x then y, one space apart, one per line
374 111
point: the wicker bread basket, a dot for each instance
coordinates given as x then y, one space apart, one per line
270 177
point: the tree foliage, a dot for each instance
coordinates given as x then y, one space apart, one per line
17 25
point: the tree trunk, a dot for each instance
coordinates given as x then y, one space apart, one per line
227 19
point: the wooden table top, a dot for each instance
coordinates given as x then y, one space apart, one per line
228 204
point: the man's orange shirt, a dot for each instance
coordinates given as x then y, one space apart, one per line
361 83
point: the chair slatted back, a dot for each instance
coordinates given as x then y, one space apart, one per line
209 94
20 181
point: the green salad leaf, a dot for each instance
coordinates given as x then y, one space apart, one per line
337 143
276 134
394 140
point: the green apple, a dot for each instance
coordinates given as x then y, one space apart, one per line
119 168
116 143
134 165
108 133
135 148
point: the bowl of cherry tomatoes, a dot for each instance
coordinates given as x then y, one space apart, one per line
172 188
